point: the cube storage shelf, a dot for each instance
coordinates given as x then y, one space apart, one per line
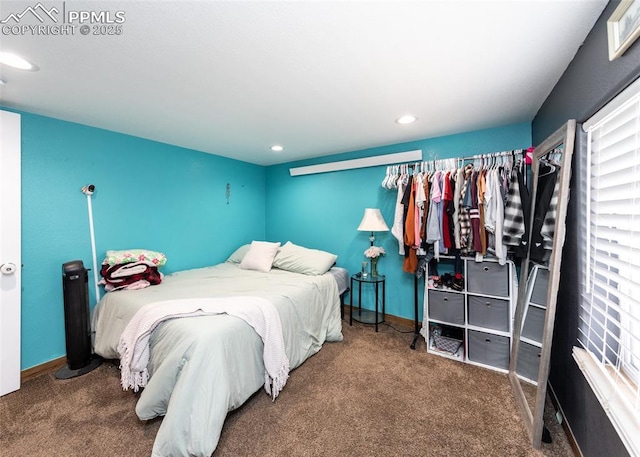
480 317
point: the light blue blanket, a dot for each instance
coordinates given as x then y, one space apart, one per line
203 367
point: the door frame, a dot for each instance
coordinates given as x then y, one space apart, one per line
10 250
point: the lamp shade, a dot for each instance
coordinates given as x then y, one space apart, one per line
372 221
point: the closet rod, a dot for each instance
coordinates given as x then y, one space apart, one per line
486 155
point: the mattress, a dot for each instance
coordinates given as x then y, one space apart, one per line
341 275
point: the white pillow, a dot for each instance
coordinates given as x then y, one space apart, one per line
260 256
302 260
239 254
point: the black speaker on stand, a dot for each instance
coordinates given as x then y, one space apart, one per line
77 328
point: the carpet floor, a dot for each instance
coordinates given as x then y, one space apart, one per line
369 395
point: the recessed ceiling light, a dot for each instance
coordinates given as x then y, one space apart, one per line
2 82
408 119
15 61
277 148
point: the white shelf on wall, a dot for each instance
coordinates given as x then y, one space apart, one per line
385 159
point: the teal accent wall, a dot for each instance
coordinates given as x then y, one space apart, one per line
161 197
148 195
324 210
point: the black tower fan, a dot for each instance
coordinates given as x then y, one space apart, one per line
76 322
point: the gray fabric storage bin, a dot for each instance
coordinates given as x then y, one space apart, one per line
533 323
488 278
446 306
528 361
490 313
488 349
539 294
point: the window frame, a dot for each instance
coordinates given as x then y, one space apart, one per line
614 374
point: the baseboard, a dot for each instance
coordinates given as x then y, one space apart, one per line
565 425
53 365
401 321
389 318
39 370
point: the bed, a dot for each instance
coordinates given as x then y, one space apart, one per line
203 367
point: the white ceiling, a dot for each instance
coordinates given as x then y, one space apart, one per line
233 78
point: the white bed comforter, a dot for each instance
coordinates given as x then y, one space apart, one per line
201 368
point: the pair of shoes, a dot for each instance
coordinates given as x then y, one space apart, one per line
436 281
458 282
447 280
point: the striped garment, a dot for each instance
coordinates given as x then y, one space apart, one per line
456 205
549 224
544 214
463 216
514 224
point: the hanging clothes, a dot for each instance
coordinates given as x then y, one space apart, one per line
465 206
516 214
435 208
459 176
447 213
439 175
481 190
494 214
545 189
549 225
457 208
410 258
420 201
397 229
425 214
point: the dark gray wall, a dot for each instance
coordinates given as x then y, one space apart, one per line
589 82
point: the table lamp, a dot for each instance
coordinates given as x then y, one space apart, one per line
372 221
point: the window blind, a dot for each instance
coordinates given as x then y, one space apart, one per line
609 325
